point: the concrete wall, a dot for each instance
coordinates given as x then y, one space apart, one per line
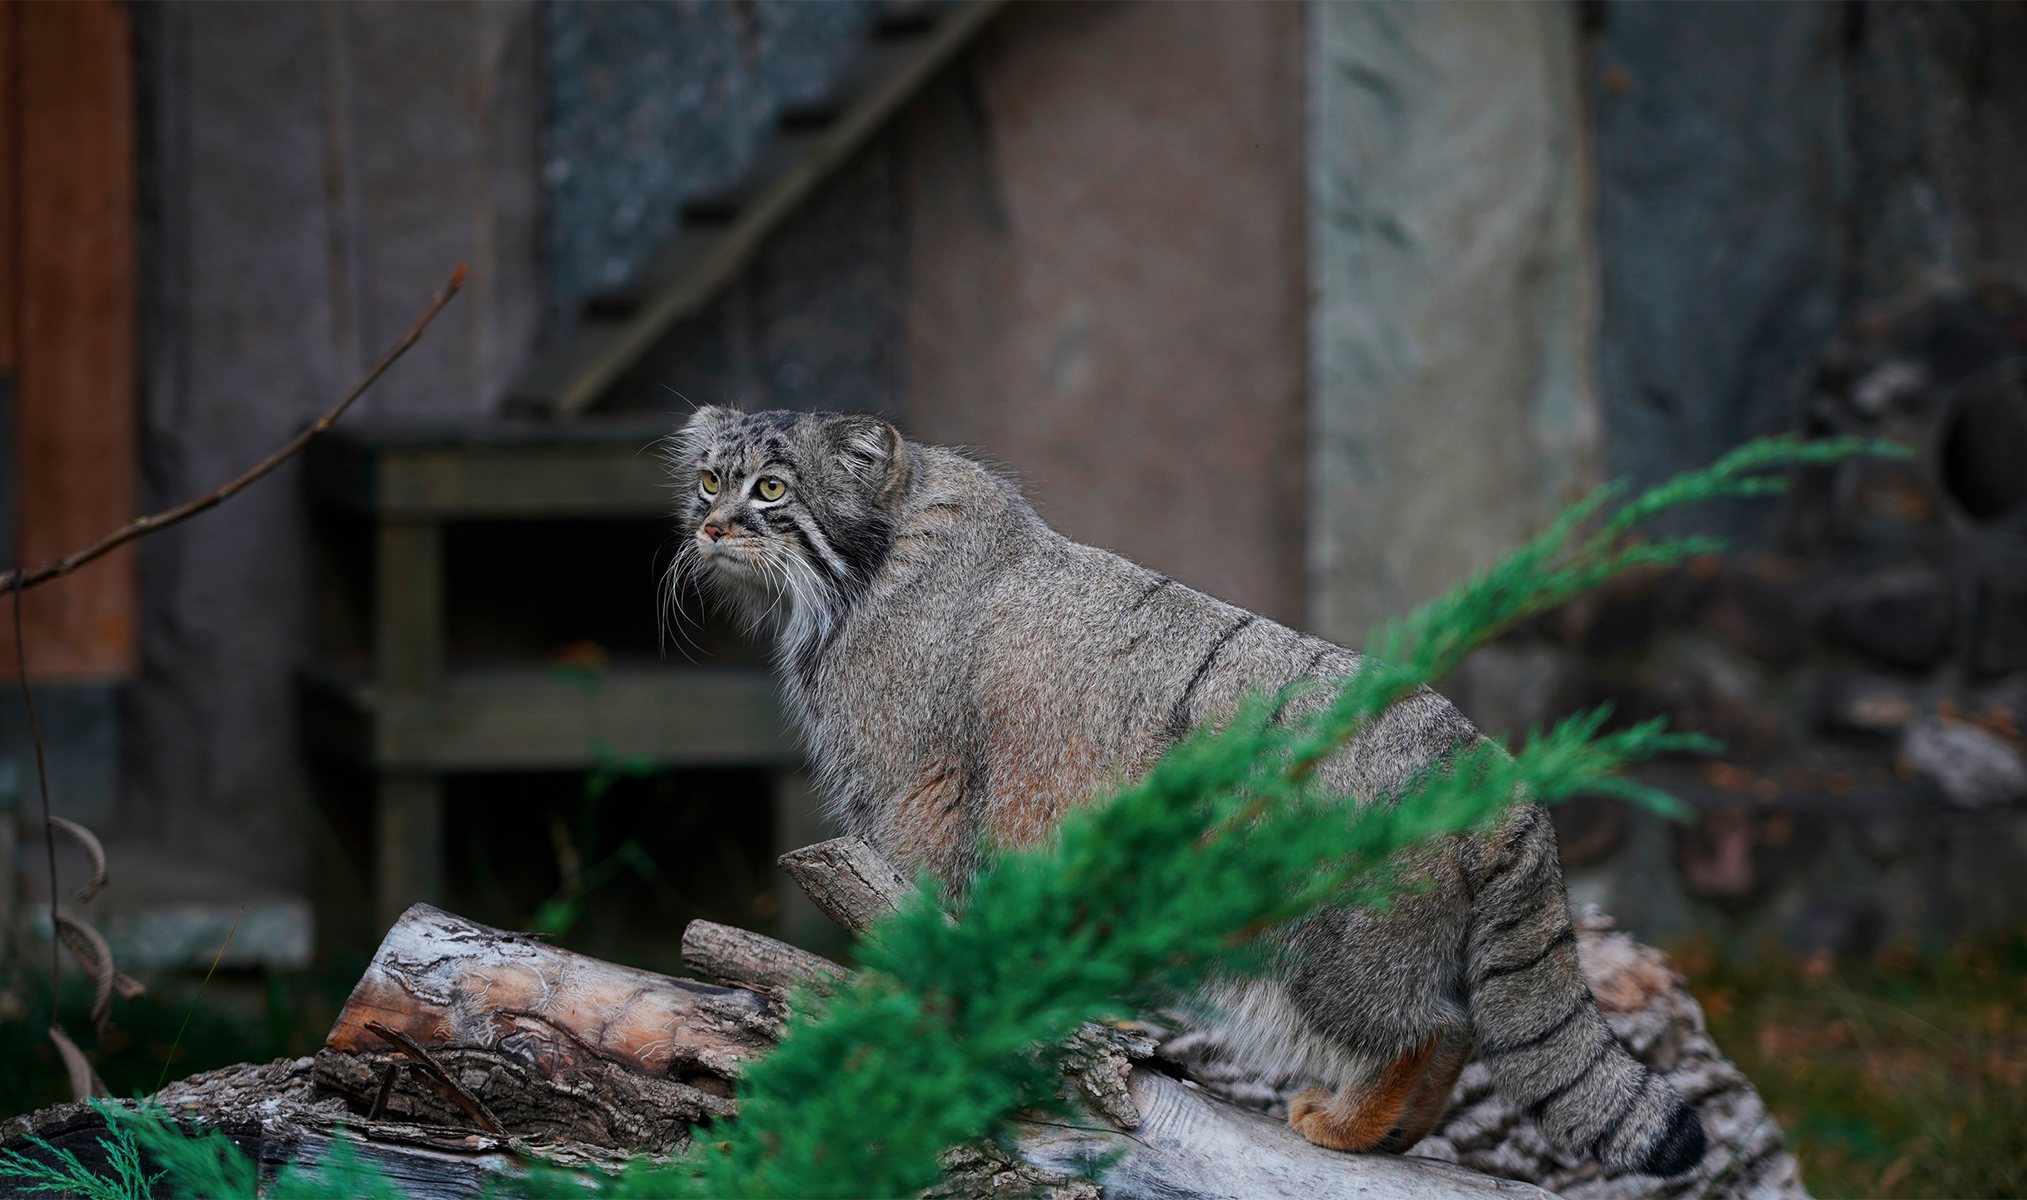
1451 405
309 175
1106 280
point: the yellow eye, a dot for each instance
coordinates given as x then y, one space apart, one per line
710 481
771 488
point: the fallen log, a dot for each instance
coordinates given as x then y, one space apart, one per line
560 1046
466 1051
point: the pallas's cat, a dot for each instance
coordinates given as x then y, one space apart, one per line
963 674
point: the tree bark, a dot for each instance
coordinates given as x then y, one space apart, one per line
740 956
848 879
558 1045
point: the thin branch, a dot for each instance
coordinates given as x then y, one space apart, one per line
28 577
386 1090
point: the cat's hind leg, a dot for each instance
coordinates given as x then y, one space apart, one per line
1432 1095
1359 1115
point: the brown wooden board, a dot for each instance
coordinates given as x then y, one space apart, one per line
73 306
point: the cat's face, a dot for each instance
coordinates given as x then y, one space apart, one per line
784 508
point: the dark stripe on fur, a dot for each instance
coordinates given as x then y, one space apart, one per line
863 546
1531 818
1539 873
1556 1093
1178 717
1604 1139
1566 937
1301 675
1539 1039
1160 582
1680 1146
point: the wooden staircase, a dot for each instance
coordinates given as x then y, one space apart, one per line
722 229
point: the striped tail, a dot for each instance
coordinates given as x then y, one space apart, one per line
1539 1030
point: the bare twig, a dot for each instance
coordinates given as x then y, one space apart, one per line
741 956
849 880
386 1090
434 1070
23 577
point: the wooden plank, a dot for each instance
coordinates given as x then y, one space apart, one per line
535 720
77 428
492 471
523 481
569 395
408 605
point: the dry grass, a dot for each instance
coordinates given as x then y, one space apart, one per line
1903 1076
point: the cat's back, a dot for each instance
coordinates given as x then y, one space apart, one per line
1066 667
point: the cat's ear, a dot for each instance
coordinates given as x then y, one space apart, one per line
699 431
873 451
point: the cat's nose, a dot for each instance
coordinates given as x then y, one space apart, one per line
713 530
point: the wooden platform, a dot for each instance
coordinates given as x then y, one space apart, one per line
400 713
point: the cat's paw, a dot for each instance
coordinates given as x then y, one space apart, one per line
1325 1120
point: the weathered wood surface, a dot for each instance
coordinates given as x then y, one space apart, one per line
558 1045
277 1115
848 879
742 956
1191 1144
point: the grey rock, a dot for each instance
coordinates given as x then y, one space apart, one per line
1758 610
1972 767
1902 615
1853 703
1888 383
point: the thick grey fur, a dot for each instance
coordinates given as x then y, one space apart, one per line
960 669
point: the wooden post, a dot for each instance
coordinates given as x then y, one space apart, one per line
408 661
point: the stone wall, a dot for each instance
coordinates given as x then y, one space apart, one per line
1808 222
1722 169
